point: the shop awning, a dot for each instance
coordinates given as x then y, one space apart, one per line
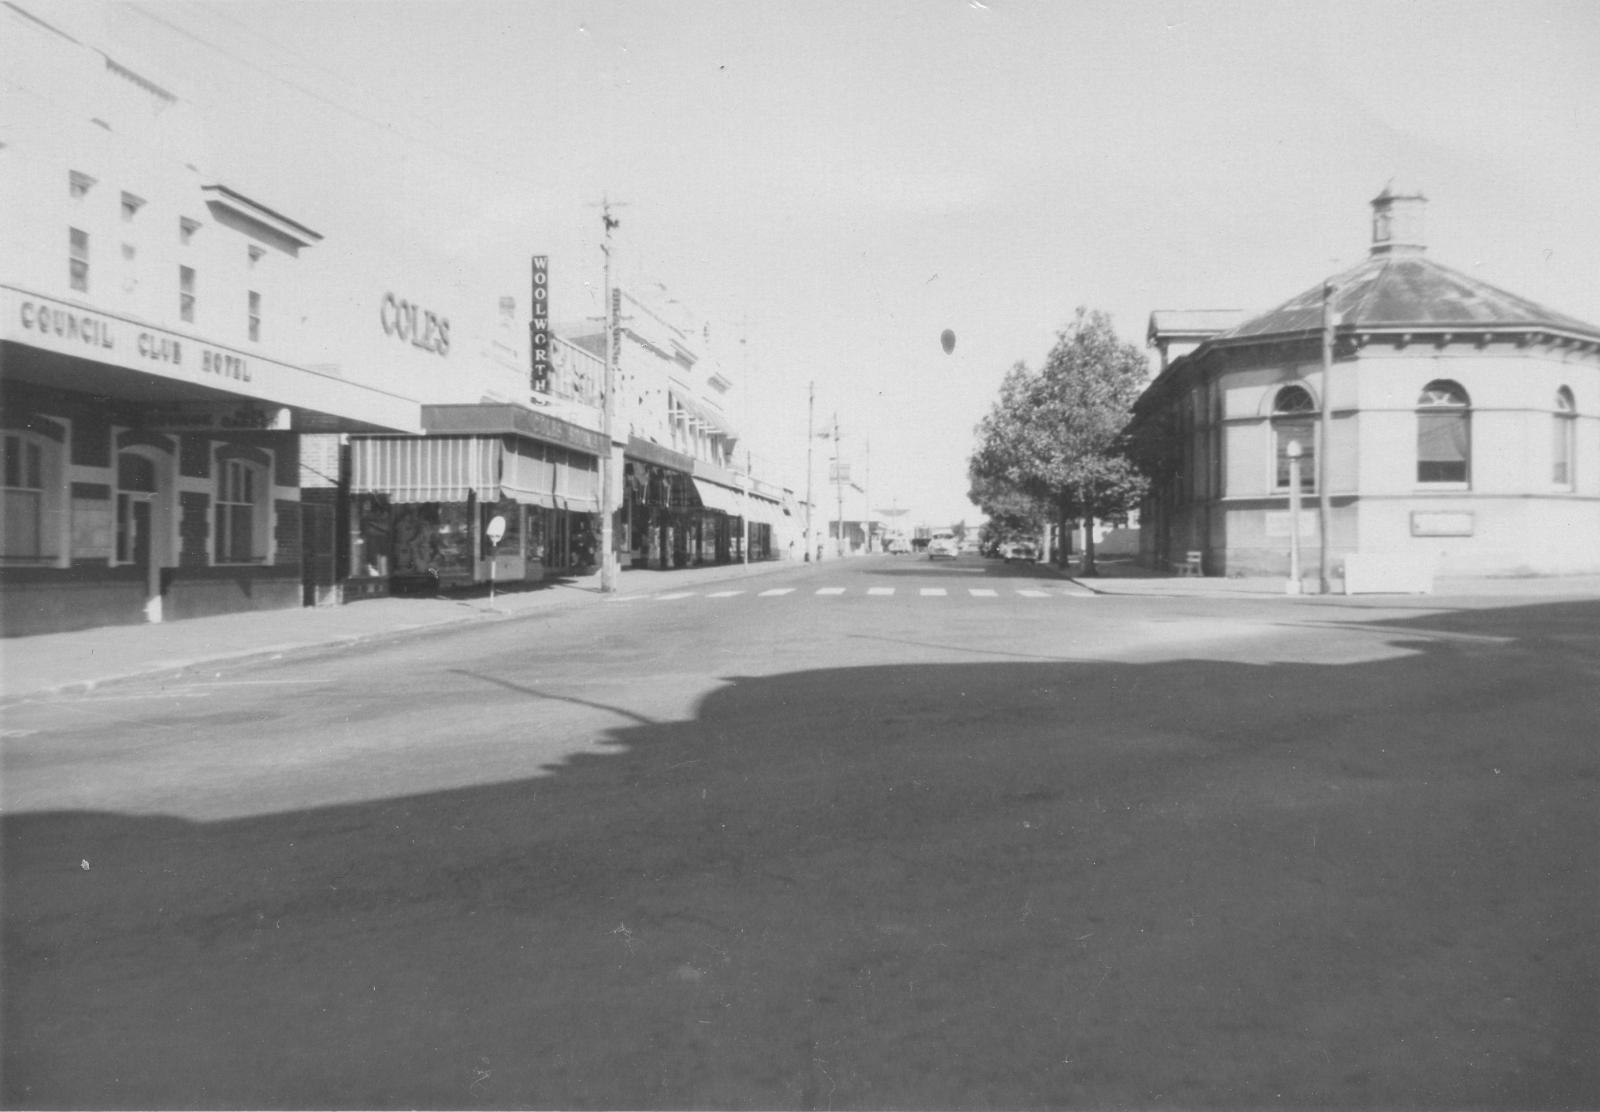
764 511
715 497
528 479
426 469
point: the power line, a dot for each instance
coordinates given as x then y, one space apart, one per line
434 144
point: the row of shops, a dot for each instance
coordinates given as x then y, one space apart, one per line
419 509
205 408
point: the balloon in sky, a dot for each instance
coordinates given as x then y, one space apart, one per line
948 339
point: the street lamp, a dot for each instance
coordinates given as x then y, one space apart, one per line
1293 452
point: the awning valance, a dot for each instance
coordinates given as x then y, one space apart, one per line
425 468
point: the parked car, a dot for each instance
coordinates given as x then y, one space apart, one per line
1024 551
943 544
899 546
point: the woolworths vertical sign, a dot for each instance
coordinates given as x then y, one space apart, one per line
539 326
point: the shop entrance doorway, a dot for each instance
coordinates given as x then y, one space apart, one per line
136 495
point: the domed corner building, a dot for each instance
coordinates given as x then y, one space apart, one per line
1462 434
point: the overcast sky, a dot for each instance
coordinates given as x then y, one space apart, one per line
837 182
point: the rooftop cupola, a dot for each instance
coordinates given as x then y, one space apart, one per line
1397 221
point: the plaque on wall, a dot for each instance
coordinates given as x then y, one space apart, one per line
1440 524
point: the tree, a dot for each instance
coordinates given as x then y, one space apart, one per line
1055 436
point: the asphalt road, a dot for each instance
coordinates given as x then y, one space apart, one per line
857 845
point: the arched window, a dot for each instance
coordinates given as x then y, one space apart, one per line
240 523
1563 440
1444 434
1294 419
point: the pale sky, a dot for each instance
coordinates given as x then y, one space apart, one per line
837 182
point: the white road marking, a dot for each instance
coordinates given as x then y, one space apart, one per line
674 595
1026 593
830 590
775 591
880 590
724 594
982 592
932 592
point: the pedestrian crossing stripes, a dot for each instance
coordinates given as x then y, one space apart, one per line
873 592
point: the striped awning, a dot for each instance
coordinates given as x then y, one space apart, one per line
426 468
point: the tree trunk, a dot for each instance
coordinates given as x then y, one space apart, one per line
1088 546
1063 553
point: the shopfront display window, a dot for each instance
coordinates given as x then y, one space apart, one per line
433 539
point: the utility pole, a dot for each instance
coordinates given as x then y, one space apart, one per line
745 516
608 491
866 488
838 481
811 437
1325 428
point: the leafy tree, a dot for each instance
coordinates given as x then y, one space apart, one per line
1055 436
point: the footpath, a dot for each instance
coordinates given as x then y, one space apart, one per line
80 661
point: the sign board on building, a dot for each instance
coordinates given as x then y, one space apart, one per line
539 326
1436 524
215 417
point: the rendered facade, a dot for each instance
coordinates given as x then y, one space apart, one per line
1465 425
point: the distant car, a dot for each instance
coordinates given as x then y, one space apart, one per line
899 546
1020 550
943 544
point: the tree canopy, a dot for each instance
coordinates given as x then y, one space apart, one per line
1053 443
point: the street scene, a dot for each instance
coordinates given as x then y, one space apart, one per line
967 555
959 836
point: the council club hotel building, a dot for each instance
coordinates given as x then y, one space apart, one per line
153 392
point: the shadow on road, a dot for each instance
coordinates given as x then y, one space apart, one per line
1002 884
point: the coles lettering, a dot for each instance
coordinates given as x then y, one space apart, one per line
411 323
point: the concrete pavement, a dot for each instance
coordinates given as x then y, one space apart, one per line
82 660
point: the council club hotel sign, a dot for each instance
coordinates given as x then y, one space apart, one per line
43 322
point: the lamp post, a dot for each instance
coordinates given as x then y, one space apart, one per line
608 491
1293 451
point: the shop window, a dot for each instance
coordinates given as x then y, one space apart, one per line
241 487
1563 439
24 493
186 293
1294 419
1444 434
255 315
78 259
